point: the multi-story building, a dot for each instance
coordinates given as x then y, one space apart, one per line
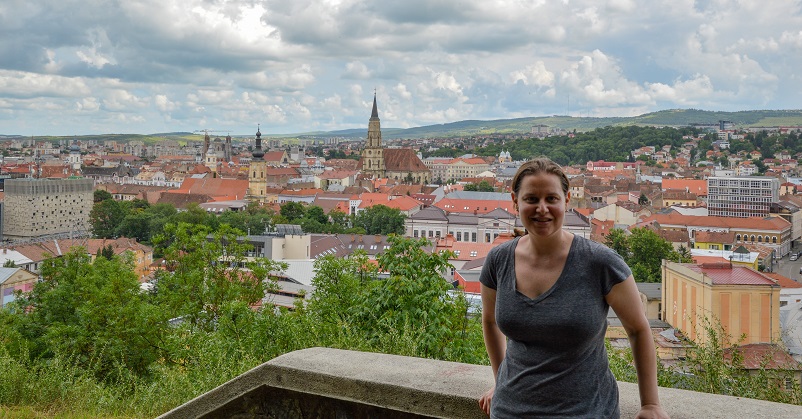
42 207
434 223
742 301
773 232
742 196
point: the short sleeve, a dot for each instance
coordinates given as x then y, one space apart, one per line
612 268
489 276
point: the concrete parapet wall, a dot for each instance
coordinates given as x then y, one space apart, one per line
323 382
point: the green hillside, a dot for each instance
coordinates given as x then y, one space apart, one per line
671 117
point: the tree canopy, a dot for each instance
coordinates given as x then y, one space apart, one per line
643 250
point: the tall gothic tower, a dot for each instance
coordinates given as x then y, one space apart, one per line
373 154
257 180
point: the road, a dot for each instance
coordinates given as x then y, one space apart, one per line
790 268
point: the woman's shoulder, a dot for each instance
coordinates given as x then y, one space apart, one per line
592 248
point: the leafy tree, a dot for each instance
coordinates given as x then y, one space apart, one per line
94 312
340 285
411 312
761 167
139 204
292 211
101 195
316 213
135 225
340 218
684 255
106 252
235 219
643 250
482 186
643 199
105 216
380 219
647 251
9 264
206 271
617 240
194 214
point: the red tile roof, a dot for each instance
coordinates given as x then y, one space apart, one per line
783 281
464 250
476 206
763 356
214 187
699 187
674 218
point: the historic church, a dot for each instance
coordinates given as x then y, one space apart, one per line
401 164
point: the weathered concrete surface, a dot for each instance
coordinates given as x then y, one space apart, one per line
365 385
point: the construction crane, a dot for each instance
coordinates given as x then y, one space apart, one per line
207 131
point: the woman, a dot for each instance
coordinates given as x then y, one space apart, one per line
545 297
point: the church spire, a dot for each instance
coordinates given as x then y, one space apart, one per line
375 113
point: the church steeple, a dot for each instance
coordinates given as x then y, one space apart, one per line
257 181
258 154
373 154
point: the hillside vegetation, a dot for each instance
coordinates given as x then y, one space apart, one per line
671 117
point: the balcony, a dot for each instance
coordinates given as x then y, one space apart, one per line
329 383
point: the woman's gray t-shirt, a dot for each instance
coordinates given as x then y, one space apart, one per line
556 362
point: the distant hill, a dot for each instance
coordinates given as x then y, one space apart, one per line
671 117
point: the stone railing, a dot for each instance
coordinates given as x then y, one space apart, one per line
323 382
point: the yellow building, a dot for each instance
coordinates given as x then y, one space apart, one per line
714 240
745 302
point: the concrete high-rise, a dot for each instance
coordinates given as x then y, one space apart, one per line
42 207
746 196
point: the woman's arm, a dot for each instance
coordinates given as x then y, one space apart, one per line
495 341
625 301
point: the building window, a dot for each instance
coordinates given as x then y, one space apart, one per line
753 238
459 236
415 234
760 239
737 237
473 237
774 239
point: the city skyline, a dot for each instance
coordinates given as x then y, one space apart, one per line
147 66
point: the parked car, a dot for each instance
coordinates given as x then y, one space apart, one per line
794 256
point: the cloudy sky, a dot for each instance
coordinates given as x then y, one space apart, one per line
71 67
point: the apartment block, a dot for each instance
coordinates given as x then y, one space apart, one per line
742 197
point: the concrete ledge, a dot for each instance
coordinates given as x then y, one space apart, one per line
355 384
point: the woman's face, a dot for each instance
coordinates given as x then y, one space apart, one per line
541 204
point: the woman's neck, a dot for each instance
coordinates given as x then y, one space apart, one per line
554 244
